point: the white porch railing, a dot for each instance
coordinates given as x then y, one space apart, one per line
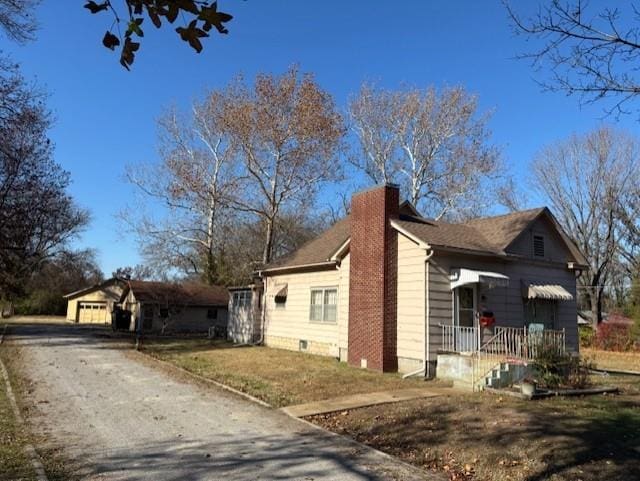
460 338
507 343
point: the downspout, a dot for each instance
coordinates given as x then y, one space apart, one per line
263 303
425 337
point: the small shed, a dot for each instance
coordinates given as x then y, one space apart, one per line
245 313
94 304
175 307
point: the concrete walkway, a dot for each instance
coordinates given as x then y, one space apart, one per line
363 400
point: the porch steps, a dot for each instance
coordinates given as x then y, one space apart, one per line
505 374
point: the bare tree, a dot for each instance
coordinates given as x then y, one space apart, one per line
589 53
17 19
372 116
434 144
583 178
192 182
37 216
287 132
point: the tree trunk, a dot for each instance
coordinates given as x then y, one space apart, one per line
268 245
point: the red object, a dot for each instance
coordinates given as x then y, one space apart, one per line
487 319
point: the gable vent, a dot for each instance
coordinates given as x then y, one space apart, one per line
538 246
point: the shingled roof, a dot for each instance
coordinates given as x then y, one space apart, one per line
187 294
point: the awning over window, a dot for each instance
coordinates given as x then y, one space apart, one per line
461 277
546 291
281 295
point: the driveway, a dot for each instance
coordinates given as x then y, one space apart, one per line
119 419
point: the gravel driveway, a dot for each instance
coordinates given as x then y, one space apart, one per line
119 419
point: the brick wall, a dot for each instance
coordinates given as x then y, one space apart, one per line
372 286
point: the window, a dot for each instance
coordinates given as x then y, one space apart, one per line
538 246
212 314
324 305
242 299
164 312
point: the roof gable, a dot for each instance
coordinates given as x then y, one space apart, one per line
95 287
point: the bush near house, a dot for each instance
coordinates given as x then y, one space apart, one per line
555 369
615 337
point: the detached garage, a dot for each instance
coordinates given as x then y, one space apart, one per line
94 304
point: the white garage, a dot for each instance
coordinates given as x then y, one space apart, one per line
94 304
93 312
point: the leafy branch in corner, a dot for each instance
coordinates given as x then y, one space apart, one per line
203 16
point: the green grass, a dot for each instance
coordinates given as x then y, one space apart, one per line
276 376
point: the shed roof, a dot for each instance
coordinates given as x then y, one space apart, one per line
188 294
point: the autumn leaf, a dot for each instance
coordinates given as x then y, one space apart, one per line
128 52
94 7
211 17
192 34
110 41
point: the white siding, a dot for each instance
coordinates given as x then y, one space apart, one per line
292 320
411 299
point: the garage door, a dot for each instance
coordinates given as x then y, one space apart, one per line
95 312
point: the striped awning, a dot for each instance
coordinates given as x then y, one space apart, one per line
281 295
547 291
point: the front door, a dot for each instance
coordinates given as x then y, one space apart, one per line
465 316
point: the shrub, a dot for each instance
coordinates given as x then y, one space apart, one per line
614 337
555 368
587 336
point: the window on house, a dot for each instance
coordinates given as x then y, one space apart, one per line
324 305
212 314
538 246
164 312
242 299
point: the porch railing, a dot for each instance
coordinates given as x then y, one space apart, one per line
507 343
460 338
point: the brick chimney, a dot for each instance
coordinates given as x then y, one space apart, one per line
372 279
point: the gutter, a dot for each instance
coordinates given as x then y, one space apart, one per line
294 268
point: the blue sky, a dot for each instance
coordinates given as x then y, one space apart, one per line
105 116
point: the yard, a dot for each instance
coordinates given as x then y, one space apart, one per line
623 361
493 438
276 376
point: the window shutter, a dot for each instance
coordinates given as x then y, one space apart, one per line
538 246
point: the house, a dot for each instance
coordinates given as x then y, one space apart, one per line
389 290
94 304
165 306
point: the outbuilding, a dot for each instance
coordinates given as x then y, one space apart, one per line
175 307
93 305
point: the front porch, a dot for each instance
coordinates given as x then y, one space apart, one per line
476 357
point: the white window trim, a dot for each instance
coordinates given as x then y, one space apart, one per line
323 289
456 304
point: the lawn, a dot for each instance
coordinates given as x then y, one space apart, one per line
276 376
487 437
623 361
